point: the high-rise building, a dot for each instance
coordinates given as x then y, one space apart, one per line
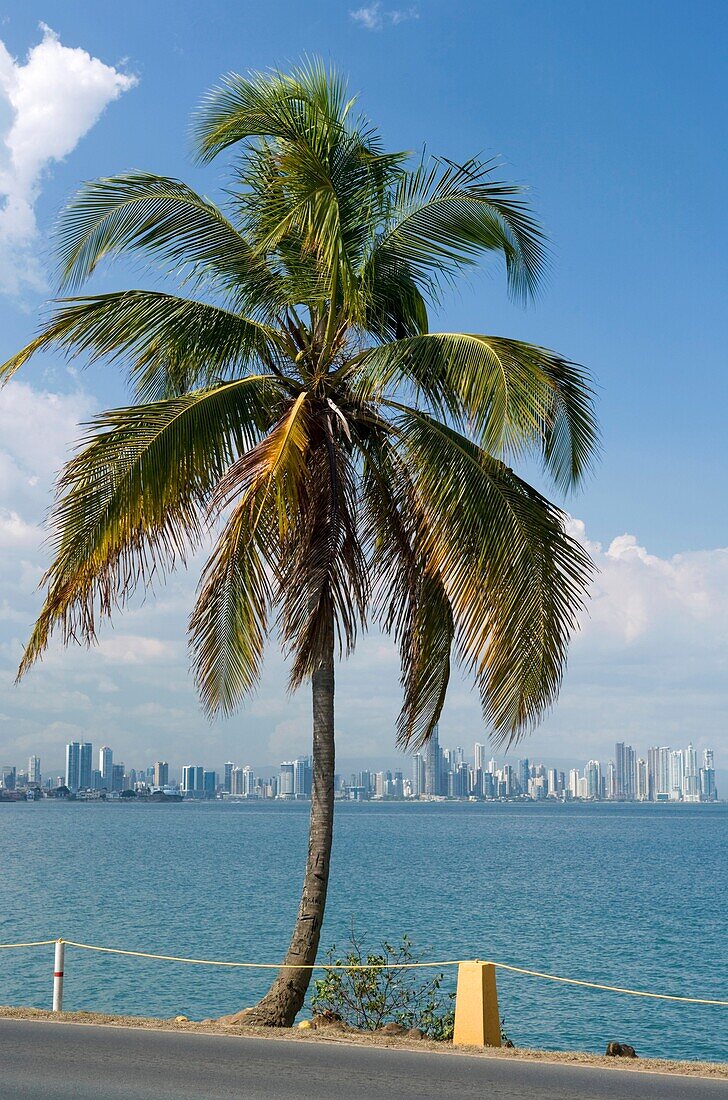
73 765
662 788
106 767
117 777
209 784
677 775
85 776
653 768
524 774
433 763
8 778
461 780
34 776
691 785
642 790
479 756
418 775
708 790
227 783
302 777
160 777
619 765
193 779
286 779
611 783
630 773
593 776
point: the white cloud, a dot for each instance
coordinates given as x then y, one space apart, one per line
51 101
638 596
375 17
134 649
15 533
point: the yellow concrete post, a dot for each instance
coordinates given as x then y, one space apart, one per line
477 1020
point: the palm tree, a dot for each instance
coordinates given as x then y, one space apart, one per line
353 465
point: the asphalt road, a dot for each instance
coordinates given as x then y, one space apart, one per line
75 1062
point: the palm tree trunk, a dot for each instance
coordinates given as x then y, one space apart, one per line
284 999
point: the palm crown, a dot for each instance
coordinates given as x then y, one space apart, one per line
354 464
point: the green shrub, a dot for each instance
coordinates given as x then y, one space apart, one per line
385 987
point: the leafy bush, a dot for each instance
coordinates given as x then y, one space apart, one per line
386 987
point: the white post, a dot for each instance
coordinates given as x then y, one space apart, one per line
58 976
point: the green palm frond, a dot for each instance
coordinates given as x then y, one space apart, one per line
172 344
444 216
229 624
168 222
513 396
516 581
410 601
133 502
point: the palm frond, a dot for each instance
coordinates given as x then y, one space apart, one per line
133 502
515 397
445 215
323 584
516 581
172 344
229 623
409 597
167 221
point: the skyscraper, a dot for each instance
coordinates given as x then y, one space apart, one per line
593 775
691 786
34 771
677 775
227 783
418 775
286 779
106 767
653 768
662 790
642 784
619 766
611 784
161 773
193 779
433 763
630 773
708 790
73 765
302 777
85 777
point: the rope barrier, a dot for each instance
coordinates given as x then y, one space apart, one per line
262 966
35 943
609 988
369 966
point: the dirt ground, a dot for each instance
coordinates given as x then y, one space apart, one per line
339 1035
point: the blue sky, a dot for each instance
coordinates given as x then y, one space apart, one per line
614 114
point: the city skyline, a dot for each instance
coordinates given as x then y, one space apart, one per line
664 774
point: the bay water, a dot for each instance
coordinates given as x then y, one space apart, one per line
627 895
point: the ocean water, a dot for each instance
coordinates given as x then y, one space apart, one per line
632 896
